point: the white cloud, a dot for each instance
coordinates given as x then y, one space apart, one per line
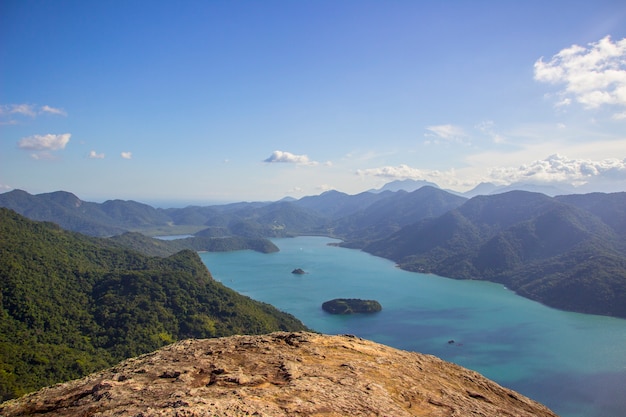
127 155
619 116
560 169
324 187
53 110
21 109
447 179
593 76
96 155
47 142
10 113
488 127
43 155
445 134
288 157
29 110
606 174
400 172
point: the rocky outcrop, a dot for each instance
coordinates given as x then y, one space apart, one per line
280 374
298 271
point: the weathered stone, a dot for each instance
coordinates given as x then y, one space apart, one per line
280 374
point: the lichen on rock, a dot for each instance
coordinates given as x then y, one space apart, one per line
279 374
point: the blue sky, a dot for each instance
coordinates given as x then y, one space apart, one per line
215 101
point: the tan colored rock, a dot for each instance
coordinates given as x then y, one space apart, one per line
280 374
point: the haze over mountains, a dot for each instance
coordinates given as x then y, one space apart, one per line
567 251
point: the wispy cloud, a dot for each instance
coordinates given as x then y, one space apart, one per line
593 76
390 172
30 110
126 155
18 109
47 142
488 127
53 110
96 155
11 113
447 133
288 157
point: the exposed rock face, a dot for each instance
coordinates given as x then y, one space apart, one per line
280 374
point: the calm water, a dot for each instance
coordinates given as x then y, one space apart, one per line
573 363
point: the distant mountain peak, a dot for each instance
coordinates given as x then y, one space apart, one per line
405 185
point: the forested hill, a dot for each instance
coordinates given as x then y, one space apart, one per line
71 304
566 252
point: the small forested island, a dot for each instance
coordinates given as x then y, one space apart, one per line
351 306
298 271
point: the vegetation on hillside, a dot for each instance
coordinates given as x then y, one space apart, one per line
71 304
157 247
540 247
566 251
351 306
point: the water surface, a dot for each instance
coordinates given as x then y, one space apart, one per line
573 363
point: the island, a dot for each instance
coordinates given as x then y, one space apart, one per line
351 305
298 271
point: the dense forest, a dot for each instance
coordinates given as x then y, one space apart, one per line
71 304
565 252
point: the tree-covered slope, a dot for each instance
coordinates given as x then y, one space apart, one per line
71 213
334 204
71 304
396 210
157 247
611 208
114 217
539 246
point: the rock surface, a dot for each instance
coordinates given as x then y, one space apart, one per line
280 374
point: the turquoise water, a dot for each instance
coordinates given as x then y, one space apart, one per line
573 363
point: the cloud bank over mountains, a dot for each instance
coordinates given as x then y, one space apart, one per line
555 169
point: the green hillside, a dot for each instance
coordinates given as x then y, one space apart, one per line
540 247
71 304
200 243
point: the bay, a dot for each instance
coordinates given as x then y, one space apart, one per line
573 363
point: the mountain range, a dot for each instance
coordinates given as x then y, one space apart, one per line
567 251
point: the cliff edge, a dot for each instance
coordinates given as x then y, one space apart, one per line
279 374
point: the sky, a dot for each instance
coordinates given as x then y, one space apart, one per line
220 101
